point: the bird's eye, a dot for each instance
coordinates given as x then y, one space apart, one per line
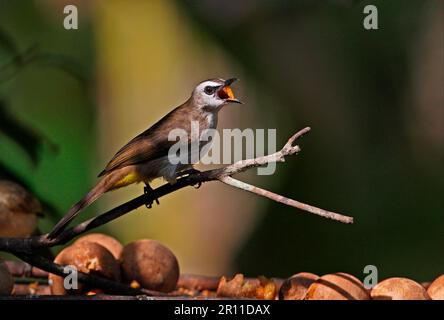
209 90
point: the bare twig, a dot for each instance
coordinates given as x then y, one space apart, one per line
289 202
30 274
28 248
112 298
21 269
31 289
196 282
90 279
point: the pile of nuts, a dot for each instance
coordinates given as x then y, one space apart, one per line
150 265
342 286
142 263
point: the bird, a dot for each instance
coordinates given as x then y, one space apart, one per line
145 157
19 210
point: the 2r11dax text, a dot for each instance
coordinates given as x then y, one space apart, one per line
223 309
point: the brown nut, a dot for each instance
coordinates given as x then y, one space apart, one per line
296 287
110 243
6 280
399 289
426 284
436 288
150 264
337 286
87 257
19 210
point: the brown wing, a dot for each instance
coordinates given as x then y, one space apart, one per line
142 148
150 144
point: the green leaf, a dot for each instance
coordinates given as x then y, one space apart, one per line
27 138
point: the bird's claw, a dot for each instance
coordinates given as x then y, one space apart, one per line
189 172
198 185
147 189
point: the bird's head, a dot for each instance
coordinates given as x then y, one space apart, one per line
213 94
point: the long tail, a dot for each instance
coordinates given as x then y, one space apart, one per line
103 186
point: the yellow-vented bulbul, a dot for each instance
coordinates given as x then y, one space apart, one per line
145 157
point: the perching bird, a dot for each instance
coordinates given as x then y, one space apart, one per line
145 157
19 210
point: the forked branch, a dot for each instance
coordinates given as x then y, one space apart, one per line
28 248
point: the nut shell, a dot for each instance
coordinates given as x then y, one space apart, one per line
337 286
110 243
241 287
296 287
19 210
150 264
436 289
399 289
87 257
6 280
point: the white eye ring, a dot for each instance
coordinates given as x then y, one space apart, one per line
209 90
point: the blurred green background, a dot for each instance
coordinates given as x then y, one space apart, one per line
374 99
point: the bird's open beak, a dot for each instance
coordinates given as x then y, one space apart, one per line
226 93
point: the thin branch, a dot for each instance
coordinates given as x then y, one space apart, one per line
289 202
113 298
30 289
21 269
196 282
27 274
29 245
28 248
89 279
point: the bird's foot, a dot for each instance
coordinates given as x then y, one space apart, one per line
147 189
197 185
190 172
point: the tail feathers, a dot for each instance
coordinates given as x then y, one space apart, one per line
74 211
